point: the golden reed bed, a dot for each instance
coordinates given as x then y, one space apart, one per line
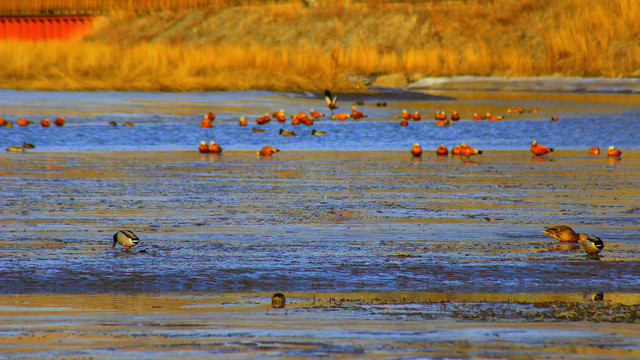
289 46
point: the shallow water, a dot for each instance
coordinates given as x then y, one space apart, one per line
343 222
170 121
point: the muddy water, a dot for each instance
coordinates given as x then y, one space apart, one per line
329 225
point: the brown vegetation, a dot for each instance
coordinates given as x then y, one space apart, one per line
290 46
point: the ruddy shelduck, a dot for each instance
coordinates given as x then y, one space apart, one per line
539 149
442 150
267 151
613 152
416 150
214 147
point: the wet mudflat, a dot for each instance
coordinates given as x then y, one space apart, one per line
365 244
378 253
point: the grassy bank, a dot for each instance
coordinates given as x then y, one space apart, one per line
292 47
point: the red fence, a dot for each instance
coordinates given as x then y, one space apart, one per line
37 28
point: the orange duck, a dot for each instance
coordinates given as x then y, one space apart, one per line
455 116
613 152
341 116
24 122
516 111
444 122
3 122
416 116
554 118
211 116
493 117
440 115
206 122
59 121
267 151
261 120
45 122
404 122
357 114
456 150
214 148
466 150
203 147
478 117
442 150
331 101
539 149
278 114
406 115
594 150
416 150
316 114
243 121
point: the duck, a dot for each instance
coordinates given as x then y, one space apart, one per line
257 130
591 244
416 150
316 114
203 147
331 101
494 117
45 122
27 145
214 148
113 123
318 132
125 238
442 150
9 124
455 116
440 115
562 232
444 122
404 122
3 122
24 122
278 301
206 122
242 121
478 117
267 151
594 150
466 150
341 116
613 152
132 124
539 149
60 121
278 114
15 148
406 115
456 150
357 114
554 118
416 116
516 111
284 132
211 116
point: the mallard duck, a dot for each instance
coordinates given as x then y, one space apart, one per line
113 123
284 132
539 149
267 151
278 301
257 130
591 244
562 232
318 132
416 150
15 148
125 238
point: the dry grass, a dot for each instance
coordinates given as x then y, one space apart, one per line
291 47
